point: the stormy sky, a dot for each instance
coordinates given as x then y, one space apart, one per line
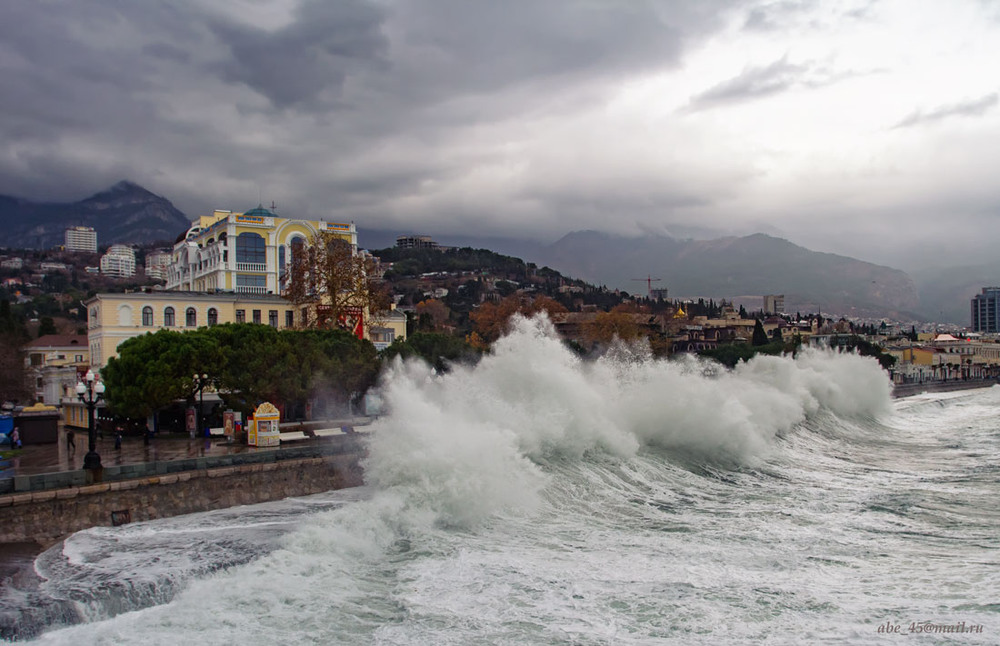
868 128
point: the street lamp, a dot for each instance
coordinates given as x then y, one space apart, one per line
90 393
200 381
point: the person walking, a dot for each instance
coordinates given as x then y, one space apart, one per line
70 439
15 439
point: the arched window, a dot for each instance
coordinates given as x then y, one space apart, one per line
168 317
191 317
147 316
295 247
125 315
250 247
213 316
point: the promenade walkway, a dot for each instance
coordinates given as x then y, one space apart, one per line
55 458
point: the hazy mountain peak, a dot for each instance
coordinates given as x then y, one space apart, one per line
125 212
734 266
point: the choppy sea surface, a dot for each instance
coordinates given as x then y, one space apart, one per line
540 499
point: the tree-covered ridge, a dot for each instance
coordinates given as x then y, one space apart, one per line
414 262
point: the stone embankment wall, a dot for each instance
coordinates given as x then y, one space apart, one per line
47 516
906 390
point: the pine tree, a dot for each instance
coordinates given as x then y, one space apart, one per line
759 335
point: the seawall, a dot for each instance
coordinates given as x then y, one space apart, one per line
907 390
47 515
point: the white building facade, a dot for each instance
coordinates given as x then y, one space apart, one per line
158 264
119 261
245 253
81 239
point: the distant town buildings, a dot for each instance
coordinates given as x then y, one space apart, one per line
119 261
986 311
774 304
81 239
158 264
12 263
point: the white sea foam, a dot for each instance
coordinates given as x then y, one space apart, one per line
469 442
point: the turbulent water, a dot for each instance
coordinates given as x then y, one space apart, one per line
540 499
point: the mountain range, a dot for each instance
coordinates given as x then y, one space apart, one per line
732 267
124 213
735 267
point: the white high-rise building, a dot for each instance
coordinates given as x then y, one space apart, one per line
157 264
118 261
81 239
774 304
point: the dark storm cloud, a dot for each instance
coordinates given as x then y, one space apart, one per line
970 108
484 46
308 58
333 102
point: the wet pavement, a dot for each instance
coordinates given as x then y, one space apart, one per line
50 458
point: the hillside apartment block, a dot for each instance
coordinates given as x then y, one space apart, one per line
81 239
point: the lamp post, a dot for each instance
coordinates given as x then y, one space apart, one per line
90 392
200 381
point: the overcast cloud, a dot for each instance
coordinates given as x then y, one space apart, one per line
855 127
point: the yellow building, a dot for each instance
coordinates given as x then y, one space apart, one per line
245 253
112 318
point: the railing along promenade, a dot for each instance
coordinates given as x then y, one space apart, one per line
320 447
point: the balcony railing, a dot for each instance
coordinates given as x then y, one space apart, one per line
251 290
251 266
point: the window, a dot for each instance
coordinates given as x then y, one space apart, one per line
213 316
147 316
251 280
305 317
36 359
78 358
256 317
250 247
272 318
297 244
241 316
191 317
168 317
125 315
289 318
281 260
